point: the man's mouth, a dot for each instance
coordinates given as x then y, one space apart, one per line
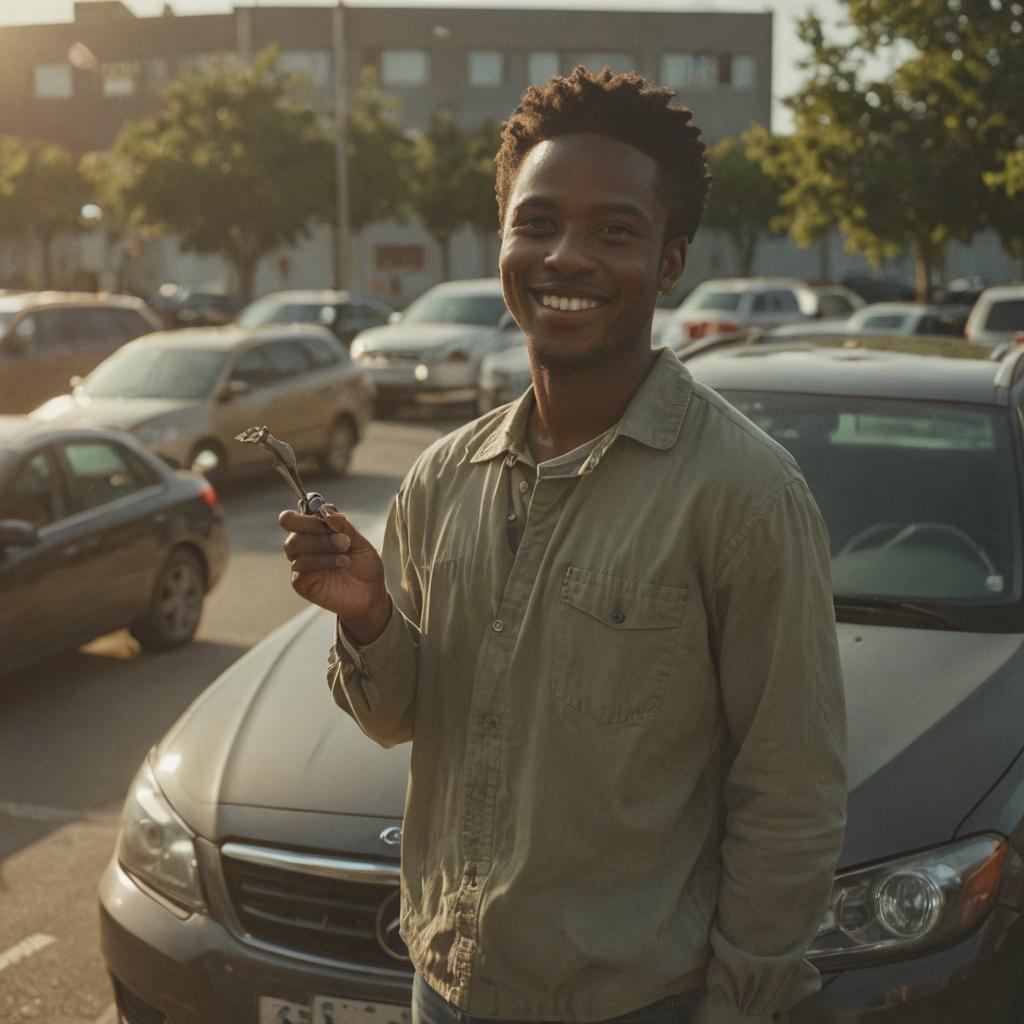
567 303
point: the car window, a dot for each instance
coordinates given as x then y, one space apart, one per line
35 494
446 308
131 324
88 326
920 499
287 359
100 472
251 368
322 352
882 322
156 371
779 301
712 300
1006 315
52 329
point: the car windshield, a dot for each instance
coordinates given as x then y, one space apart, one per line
151 371
921 499
706 299
1006 315
448 308
271 311
5 319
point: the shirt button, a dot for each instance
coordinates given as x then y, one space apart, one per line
618 617
523 486
490 722
511 517
497 625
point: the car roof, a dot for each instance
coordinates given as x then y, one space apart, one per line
742 284
231 336
483 285
313 295
20 431
911 307
920 367
23 300
1003 291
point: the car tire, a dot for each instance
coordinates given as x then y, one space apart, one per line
176 605
215 454
336 458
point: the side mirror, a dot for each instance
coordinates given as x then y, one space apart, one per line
17 533
234 389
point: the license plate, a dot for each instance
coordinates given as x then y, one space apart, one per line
331 1010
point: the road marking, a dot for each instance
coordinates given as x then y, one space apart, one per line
12 810
25 949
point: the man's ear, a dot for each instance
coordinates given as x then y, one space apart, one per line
673 259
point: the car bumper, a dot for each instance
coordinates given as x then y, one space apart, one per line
194 970
197 970
424 382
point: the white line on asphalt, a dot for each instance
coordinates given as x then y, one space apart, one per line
25 949
36 813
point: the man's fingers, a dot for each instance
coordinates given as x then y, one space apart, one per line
296 522
320 563
296 544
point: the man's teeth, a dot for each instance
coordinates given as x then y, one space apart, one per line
567 304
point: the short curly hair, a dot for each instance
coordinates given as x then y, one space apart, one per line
625 107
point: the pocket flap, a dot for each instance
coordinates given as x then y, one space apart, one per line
620 603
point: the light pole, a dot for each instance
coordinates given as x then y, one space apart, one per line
344 264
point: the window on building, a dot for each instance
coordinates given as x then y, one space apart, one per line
53 81
313 65
119 79
404 67
683 70
744 70
486 67
542 65
595 61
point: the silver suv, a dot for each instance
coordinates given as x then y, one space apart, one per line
998 316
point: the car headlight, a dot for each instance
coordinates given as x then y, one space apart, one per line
154 845
357 348
157 433
904 906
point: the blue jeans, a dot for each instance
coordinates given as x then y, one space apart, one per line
428 1007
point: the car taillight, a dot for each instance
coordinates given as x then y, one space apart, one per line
1018 338
705 328
210 496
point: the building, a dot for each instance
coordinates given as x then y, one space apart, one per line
76 84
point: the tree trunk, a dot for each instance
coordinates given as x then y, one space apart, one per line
46 249
445 244
746 250
825 256
245 268
922 270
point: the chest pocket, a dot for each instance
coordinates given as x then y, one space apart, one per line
615 642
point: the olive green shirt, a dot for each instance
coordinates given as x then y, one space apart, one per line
620 676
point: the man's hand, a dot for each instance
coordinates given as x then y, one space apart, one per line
337 568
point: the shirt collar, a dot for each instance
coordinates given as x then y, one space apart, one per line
653 417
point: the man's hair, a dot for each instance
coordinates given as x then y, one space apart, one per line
624 107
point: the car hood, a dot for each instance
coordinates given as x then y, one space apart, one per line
509 360
112 413
267 738
419 337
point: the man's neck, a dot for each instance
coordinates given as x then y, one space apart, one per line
575 406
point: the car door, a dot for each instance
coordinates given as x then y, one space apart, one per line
36 582
298 400
241 405
113 539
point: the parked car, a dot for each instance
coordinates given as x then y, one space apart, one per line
433 352
503 377
835 300
724 305
186 394
998 316
245 886
97 534
47 337
344 313
879 289
884 318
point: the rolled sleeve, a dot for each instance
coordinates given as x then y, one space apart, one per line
785 788
376 682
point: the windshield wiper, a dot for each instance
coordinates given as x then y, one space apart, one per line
882 605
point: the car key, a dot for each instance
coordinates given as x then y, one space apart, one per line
310 502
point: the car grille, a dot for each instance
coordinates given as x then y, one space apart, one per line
391 358
333 909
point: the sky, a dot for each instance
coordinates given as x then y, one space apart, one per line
786 77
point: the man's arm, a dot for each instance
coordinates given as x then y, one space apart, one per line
785 789
373 663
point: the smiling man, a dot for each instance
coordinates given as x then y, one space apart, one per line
603 616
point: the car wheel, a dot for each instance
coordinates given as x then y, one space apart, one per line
176 605
209 459
341 442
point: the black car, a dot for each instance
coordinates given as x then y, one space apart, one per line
255 878
345 313
97 534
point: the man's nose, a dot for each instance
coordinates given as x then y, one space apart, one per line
570 254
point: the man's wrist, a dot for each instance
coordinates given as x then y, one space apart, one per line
366 628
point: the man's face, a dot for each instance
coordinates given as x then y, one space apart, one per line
583 252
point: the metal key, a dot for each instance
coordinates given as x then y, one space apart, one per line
310 502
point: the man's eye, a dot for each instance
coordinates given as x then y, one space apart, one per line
534 223
619 230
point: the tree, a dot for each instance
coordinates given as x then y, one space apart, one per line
441 165
230 165
41 194
380 156
743 200
481 202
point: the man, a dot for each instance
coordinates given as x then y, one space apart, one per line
606 624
